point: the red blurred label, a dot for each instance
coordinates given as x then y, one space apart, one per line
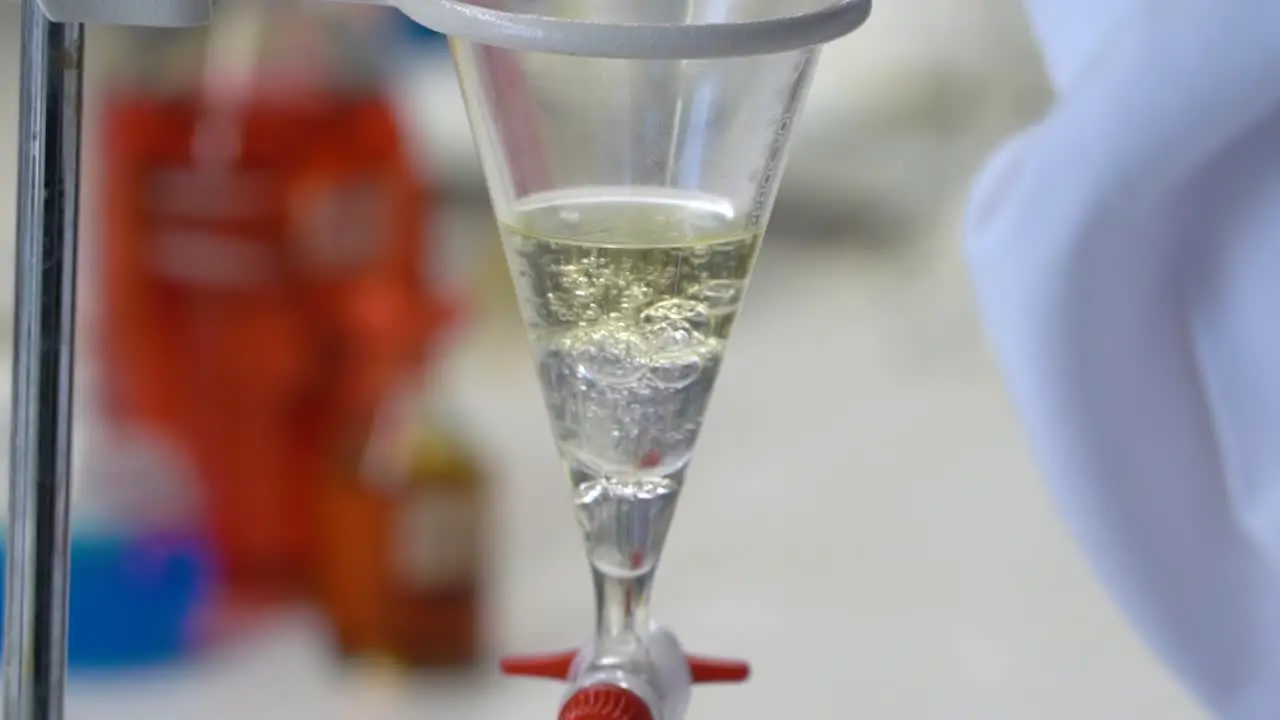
264 291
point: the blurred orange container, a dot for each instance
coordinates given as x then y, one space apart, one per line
263 280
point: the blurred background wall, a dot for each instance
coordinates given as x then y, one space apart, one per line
864 522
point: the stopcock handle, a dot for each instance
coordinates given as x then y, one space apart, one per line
558 666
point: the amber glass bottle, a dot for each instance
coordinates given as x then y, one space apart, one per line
405 551
437 555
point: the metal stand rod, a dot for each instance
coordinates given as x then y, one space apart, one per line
35 629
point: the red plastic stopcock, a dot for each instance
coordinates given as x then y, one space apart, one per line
557 666
717 670
552 666
605 702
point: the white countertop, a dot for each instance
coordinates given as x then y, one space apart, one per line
862 523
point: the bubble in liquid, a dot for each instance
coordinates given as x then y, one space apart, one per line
560 310
699 254
692 314
719 296
608 353
587 292
675 369
634 296
575 278
672 336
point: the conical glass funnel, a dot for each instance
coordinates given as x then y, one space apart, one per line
632 150
632 195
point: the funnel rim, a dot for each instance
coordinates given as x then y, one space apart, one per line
539 33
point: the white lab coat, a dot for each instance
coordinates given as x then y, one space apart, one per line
1126 254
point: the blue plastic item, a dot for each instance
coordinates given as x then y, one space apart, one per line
135 601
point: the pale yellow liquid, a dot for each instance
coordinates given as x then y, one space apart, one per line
629 299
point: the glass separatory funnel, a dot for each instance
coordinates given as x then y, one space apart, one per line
632 150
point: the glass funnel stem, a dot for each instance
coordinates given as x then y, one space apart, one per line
622 604
624 521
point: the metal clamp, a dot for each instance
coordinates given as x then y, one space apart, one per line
567 36
48 178
144 13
